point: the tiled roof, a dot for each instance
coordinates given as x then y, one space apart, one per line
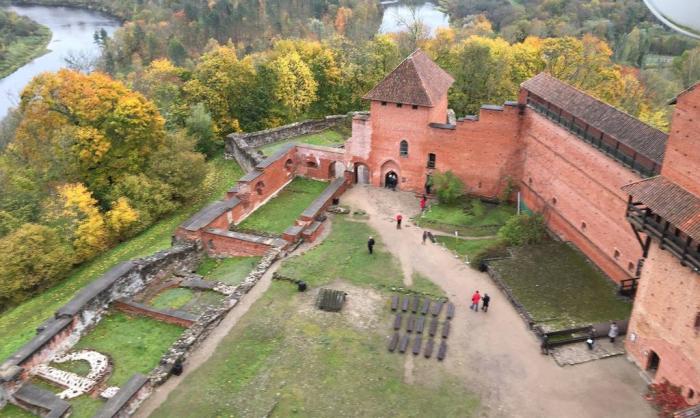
632 132
416 81
670 201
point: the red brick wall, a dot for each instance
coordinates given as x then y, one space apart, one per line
682 157
220 245
481 152
323 158
135 310
667 301
575 184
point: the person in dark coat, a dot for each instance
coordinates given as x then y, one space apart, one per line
370 244
485 302
425 236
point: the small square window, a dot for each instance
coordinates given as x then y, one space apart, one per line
616 254
383 103
554 201
630 266
414 107
399 104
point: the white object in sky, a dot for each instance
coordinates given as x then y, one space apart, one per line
681 15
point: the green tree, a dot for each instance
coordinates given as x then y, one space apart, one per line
448 187
523 229
200 126
34 256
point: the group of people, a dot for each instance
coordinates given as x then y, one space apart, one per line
392 180
485 300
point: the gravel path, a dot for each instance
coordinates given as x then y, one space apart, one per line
494 353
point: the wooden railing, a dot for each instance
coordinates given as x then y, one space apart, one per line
596 141
685 248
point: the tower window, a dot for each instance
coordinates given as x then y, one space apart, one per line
583 226
403 148
399 104
431 160
554 200
616 254
697 322
415 107
383 103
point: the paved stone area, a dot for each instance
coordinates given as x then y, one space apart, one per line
572 354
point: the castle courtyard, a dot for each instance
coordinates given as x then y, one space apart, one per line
276 355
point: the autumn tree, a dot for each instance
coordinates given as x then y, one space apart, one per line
34 256
85 128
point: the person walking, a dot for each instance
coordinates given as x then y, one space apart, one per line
423 204
485 302
399 218
425 236
614 331
476 297
370 244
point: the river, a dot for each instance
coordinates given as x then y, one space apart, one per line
72 31
396 15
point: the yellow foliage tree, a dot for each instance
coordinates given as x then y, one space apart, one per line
121 218
295 87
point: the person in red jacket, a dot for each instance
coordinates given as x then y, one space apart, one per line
476 297
423 204
399 218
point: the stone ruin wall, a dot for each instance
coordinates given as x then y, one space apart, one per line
242 146
58 334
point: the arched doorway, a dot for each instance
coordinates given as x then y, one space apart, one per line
390 170
336 169
653 363
361 173
391 179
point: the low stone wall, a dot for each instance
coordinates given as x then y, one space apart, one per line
181 318
220 242
85 310
241 146
198 332
125 402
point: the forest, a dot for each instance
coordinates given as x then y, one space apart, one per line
97 152
20 40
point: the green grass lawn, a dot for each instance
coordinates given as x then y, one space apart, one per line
286 359
328 138
469 217
559 287
464 247
24 49
280 212
230 270
135 344
17 325
174 298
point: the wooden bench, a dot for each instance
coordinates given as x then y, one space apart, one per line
445 329
416 345
426 306
442 351
429 348
433 327
403 344
397 322
393 342
411 323
437 307
420 324
416 304
450 310
404 304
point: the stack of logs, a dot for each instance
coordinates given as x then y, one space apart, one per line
416 313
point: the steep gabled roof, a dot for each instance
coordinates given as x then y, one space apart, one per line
670 201
646 140
416 81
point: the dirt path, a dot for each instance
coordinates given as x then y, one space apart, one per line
202 353
494 353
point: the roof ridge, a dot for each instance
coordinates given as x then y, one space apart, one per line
546 73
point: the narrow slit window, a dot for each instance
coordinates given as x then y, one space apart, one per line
403 148
431 160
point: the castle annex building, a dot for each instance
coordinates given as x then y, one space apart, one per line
589 168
